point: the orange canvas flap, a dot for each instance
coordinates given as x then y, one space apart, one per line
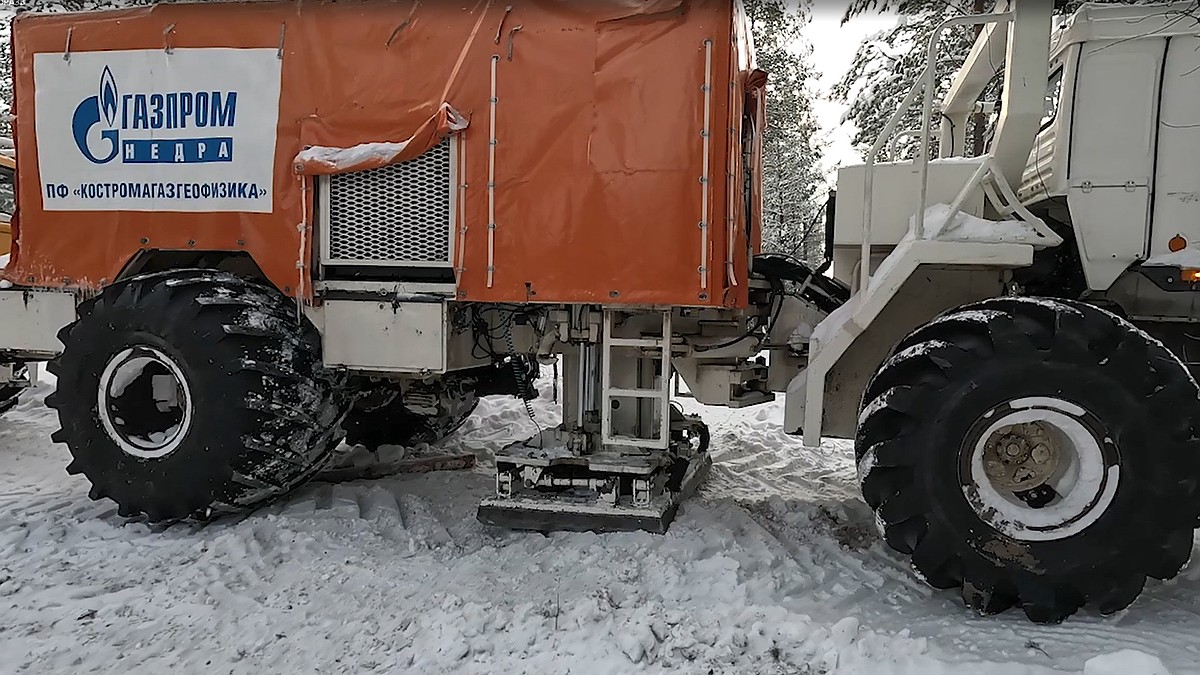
318 160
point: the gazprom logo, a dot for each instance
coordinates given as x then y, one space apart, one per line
123 119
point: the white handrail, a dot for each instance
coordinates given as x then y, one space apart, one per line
924 83
869 181
891 153
927 109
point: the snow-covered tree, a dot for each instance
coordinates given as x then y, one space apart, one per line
792 182
889 62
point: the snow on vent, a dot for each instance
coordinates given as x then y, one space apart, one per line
398 215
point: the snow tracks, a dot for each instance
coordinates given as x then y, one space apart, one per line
775 568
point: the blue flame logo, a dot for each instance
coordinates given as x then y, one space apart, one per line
108 97
88 115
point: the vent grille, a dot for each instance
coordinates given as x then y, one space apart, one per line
399 215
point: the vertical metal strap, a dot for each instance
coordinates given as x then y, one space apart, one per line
736 181
462 203
606 357
664 401
736 154
584 372
301 267
492 103
705 180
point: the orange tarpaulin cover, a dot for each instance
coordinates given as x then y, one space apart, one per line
618 138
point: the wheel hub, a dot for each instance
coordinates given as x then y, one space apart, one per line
1039 468
1021 456
144 402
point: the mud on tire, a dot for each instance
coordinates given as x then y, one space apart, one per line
192 394
1130 409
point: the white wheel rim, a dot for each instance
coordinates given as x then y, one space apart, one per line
1084 481
145 426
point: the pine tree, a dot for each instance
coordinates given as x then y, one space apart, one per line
889 62
792 182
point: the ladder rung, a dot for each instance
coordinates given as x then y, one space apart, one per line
636 342
662 344
615 392
632 441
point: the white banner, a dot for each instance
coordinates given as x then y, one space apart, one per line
190 131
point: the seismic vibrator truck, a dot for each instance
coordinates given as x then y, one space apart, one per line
246 231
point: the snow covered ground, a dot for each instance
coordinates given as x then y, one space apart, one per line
773 568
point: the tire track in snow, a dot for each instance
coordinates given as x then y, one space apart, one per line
396 575
856 571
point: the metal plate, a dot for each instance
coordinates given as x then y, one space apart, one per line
545 513
380 336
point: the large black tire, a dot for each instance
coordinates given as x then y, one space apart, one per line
264 414
381 418
927 410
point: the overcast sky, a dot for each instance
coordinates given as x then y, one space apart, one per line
834 47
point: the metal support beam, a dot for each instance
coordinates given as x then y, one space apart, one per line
1024 101
1022 48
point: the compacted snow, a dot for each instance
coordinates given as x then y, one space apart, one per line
773 568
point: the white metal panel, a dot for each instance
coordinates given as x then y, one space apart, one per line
897 189
369 335
1110 227
1177 178
1115 112
1112 153
30 321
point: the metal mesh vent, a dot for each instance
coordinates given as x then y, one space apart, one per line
397 215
